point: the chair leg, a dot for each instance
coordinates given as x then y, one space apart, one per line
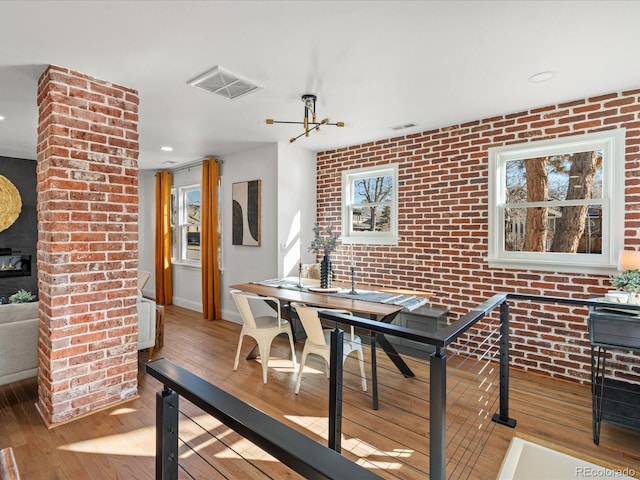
303 359
364 377
293 349
235 363
264 348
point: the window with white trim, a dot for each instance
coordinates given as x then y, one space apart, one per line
558 204
185 224
370 206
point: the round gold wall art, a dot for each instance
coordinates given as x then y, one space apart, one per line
10 203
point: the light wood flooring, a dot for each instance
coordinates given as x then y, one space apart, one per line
119 443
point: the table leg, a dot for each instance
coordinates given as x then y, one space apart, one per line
597 390
394 356
253 353
159 339
159 326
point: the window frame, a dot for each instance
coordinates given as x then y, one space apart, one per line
351 237
179 237
612 144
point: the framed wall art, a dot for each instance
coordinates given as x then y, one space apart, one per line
246 213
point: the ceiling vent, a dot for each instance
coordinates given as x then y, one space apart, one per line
404 126
224 83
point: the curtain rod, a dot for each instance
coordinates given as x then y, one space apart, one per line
197 163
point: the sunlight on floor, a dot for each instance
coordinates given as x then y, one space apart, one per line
118 444
280 364
356 446
204 431
316 425
122 411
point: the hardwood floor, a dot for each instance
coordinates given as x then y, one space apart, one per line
119 443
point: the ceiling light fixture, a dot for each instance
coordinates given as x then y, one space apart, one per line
542 76
166 148
309 121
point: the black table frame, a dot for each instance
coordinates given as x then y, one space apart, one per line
611 329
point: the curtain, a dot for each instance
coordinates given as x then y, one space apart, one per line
209 242
164 293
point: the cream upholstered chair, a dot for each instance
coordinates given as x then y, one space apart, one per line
319 341
146 314
263 328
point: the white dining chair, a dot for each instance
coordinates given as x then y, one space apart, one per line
319 341
263 328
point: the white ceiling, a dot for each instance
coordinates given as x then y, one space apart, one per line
374 64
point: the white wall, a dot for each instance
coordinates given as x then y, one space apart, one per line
146 228
288 212
242 264
288 177
296 207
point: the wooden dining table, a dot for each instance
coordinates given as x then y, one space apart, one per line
288 292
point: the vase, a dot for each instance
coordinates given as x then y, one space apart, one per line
325 272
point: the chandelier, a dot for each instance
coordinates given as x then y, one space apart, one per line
309 121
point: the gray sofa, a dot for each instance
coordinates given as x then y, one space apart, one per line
18 341
19 332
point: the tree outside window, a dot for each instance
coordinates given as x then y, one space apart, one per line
558 205
549 223
369 208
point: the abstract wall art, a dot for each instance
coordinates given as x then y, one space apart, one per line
10 203
246 213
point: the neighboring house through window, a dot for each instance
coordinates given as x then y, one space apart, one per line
558 204
185 224
370 206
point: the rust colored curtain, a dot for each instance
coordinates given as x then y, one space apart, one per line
209 241
164 291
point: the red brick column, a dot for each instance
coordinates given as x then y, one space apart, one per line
87 243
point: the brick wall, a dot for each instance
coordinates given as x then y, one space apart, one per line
87 243
443 224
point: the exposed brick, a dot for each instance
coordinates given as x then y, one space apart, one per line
443 225
87 155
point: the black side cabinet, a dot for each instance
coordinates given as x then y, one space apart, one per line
425 319
613 401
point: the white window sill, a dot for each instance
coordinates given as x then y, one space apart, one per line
523 264
187 265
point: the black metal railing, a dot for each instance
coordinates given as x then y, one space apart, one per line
300 452
440 341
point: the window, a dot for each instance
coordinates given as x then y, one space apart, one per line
369 206
558 204
185 225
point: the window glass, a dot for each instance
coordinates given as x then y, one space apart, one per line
190 228
369 208
558 205
185 233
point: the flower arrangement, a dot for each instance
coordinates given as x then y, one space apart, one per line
629 281
324 244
